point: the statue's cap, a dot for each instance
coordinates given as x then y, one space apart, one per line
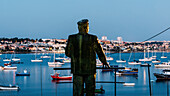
83 21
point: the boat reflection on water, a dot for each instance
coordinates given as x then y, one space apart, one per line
61 81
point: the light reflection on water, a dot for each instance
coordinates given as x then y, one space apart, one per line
31 85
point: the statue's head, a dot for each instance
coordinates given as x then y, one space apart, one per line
83 26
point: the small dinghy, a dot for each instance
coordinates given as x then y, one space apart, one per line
129 84
25 73
10 87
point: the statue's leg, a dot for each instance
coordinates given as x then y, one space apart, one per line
78 85
90 85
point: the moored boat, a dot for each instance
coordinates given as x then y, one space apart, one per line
133 71
25 73
57 77
163 65
10 87
163 76
9 67
145 65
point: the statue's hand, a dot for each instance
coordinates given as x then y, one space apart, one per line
106 65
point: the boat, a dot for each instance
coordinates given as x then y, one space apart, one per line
108 58
120 60
45 56
67 60
25 73
163 57
156 61
133 71
57 77
36 59
55 63
9 87
129 84
16 59
59 58
146 58
135 62
163 76
6 59
163 65
6 64
9 67
145 65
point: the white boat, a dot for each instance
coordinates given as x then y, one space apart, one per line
54 65
108 58
10 87
6 59
16 59
60 58
129 84
163 65
120 59
9 67
36 59
146 59
45 56
156 61
67 60
134 62
55 62
163 57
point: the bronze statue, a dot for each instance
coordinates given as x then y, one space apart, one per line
82 48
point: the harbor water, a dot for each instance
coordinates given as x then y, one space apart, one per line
40 83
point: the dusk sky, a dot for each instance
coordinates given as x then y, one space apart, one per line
133 20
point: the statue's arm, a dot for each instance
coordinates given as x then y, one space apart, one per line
100 53
69 47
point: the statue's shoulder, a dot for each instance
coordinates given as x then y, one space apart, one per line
72 35
93 36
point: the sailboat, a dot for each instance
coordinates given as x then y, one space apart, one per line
134 62
145 58
6 59
108 58
120 59
15 58
36 59
163 57
55 63
45 56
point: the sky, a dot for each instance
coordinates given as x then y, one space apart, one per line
133 20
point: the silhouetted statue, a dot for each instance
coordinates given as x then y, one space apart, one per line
82 48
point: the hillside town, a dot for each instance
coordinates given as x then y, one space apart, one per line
26 45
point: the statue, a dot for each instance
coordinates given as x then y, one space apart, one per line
82 48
